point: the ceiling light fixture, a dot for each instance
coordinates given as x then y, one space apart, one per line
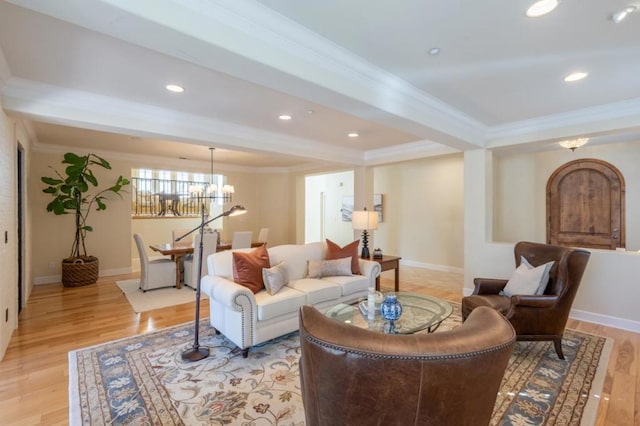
174 88
434 51
284 117
575 76
573 144
211 190
541 7
618 16
353 135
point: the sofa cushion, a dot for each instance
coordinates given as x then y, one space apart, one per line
329 268
351 284
275 277
316 290
334 251
286 301
247 268
296 256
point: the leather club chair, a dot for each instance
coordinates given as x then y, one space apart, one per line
534 317
353 376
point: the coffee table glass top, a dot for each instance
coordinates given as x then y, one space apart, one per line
419 312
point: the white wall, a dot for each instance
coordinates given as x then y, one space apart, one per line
423 204
8 225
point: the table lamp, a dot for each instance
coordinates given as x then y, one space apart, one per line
364 221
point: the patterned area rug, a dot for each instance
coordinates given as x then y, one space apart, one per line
142 380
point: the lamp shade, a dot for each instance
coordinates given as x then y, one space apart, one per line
364 220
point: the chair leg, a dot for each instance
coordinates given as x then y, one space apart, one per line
245 352
557 343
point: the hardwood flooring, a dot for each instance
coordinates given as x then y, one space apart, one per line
34 373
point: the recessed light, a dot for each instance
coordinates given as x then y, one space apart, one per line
284 117
353 135
575 76
174 88
541 7
434 51
621 14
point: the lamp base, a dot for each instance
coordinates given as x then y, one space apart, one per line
365 245
195 354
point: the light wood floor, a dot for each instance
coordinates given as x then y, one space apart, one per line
34 372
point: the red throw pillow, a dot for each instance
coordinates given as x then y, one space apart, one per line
335 252
247 268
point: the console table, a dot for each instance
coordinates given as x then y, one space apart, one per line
388 263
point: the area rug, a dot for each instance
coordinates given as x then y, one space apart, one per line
142 380
155 299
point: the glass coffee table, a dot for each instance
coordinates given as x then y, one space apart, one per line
419 312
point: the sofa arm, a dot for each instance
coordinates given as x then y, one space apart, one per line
228 293
370 269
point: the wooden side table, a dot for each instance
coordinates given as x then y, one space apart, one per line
388 263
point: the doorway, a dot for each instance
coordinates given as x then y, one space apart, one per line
586 205
324 198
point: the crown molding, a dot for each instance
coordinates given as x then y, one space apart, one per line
250 41
408 151
613 118
98 112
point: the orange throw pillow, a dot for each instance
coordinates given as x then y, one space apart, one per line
247 268
334 251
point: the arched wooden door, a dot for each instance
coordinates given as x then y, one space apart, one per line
585 205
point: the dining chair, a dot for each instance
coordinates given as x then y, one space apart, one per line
186 241
241 239
154 273
263 235
209 246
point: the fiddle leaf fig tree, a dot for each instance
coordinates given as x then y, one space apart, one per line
70 192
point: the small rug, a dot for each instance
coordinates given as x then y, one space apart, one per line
155 299
142 380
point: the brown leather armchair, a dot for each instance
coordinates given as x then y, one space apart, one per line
542 317
353 376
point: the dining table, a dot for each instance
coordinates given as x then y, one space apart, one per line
179 251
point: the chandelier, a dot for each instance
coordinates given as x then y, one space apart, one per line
573 144
211 190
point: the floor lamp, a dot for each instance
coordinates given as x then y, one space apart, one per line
196 353
364 221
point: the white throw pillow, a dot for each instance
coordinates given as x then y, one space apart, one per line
545 276
275 277
524 280
330 268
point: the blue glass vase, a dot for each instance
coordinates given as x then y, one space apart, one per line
390 309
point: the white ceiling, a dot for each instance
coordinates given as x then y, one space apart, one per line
90 74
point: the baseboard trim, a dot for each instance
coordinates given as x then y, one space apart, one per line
435 267
51 279
608 320
600 319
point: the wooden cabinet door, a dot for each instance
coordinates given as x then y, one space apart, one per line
585 205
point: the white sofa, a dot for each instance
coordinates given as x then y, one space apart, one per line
247 319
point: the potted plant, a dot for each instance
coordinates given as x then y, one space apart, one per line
70 192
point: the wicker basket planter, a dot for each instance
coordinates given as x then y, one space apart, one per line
79 271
